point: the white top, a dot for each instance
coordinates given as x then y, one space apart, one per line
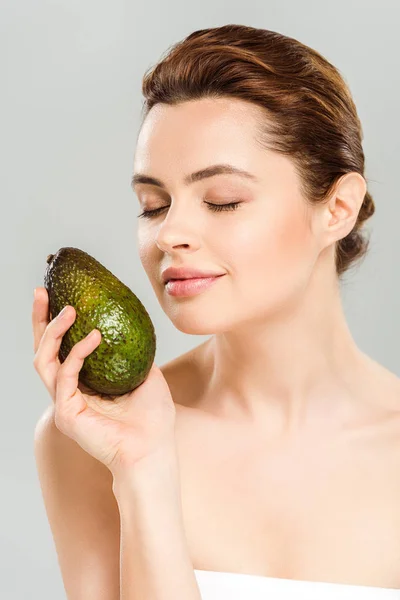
219 585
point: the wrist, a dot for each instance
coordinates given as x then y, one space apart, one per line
159 468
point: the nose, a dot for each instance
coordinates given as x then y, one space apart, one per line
177 233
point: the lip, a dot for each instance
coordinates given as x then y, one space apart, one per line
187 273
190 286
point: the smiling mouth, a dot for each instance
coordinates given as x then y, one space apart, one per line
190 278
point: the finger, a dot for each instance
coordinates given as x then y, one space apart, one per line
40 317
46 361
69 401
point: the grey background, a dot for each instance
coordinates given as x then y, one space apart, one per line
70 98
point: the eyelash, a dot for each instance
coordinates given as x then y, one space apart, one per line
214 207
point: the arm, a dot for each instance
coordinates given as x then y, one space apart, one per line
82 513
154 559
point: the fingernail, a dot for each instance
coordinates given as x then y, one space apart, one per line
60 314
34 294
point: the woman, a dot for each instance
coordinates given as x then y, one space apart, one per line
264 462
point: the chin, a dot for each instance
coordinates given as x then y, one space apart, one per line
206 323
194 327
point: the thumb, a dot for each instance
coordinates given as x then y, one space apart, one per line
69 401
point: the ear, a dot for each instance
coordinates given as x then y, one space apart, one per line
339 215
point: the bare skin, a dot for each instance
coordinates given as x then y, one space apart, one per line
321 507
289 434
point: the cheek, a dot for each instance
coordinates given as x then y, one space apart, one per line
147 251
272 250
145 243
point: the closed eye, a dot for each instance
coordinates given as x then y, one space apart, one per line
213 207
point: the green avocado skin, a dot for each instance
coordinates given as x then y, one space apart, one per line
124 357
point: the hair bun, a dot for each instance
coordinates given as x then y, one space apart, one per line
367 208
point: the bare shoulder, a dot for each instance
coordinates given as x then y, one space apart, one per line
377 384
387 385
382 431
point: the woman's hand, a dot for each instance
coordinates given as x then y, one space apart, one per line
120 431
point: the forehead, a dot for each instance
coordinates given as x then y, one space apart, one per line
175 141
197 133
218 114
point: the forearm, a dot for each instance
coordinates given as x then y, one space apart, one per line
154 558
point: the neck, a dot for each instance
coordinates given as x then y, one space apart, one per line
292 369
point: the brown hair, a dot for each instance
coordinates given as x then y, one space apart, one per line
311 116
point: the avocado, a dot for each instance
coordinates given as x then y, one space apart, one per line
124 357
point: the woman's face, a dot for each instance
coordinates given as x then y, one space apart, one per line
266 247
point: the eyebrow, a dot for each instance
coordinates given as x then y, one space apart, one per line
196 176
